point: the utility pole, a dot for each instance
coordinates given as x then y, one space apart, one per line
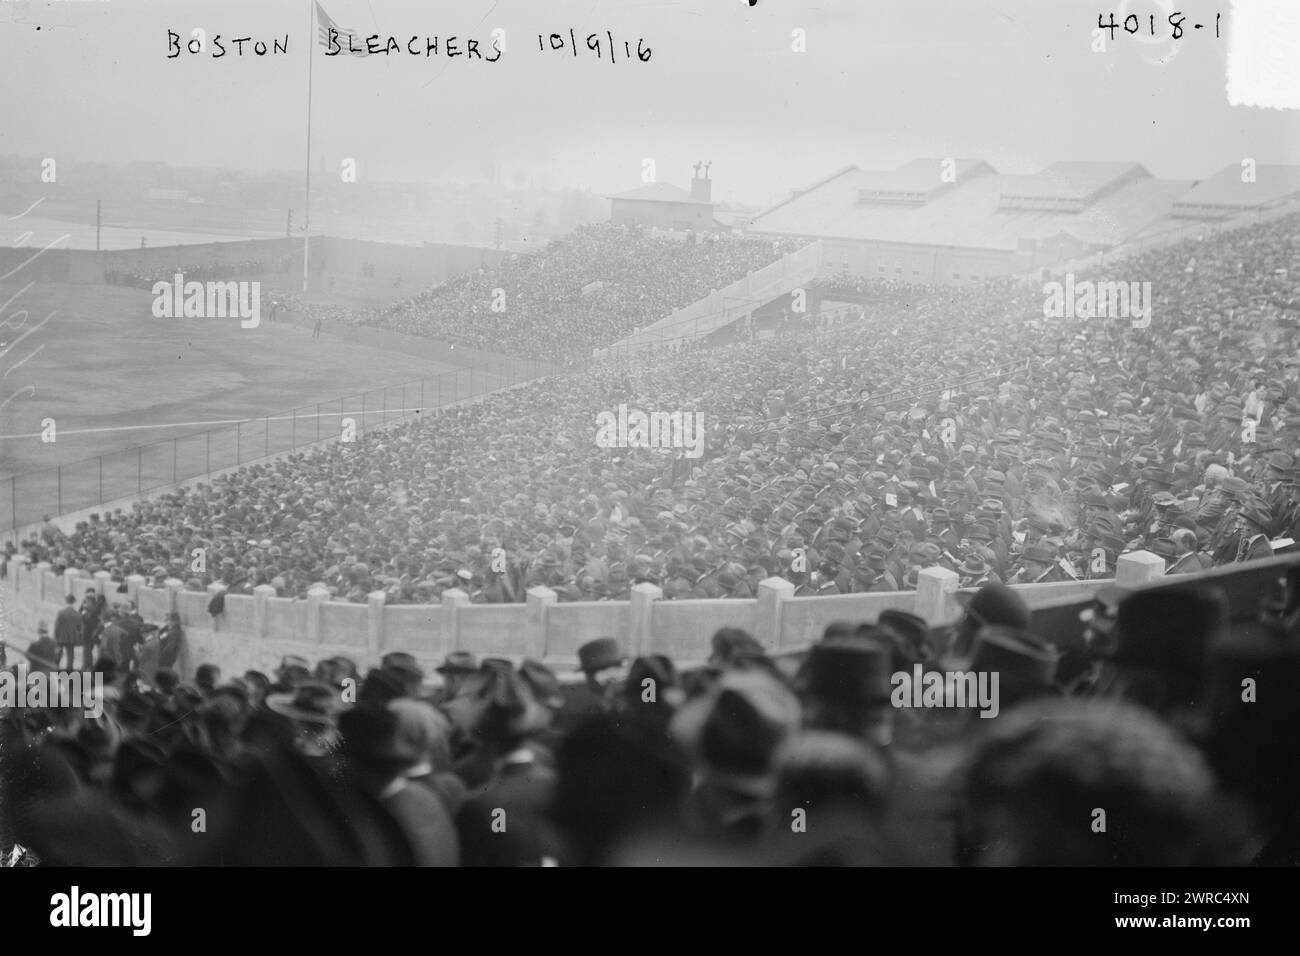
499 227
306 212
98 220
288 225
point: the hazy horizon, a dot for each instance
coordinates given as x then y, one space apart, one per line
722 84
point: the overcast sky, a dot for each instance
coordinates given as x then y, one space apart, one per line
1011 82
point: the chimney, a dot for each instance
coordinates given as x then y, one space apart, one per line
702 186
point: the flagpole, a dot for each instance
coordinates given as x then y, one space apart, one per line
306 214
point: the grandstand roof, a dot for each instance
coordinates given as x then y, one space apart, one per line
660 192
1078 181
1097 203
917 181
1225 190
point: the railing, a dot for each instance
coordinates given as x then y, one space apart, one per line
26 498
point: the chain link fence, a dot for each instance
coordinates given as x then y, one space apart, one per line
25 499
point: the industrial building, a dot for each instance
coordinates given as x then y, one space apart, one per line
956 221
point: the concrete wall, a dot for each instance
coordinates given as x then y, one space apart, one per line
87 265
257 631
418 266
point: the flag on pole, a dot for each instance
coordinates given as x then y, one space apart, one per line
342 35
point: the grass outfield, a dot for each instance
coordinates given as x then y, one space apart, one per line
120 384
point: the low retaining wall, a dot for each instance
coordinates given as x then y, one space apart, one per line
419 266
257 631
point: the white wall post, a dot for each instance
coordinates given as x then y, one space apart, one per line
935 601
538 600
375 601
1138 567
261 594
773 592
640 617
453 599
317 595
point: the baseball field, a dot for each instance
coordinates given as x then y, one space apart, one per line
100 400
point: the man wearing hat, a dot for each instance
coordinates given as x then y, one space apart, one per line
604 666
1166 549
733 582
909 636
974 572
1026 665
1234 496
602 662
42 653
1039 566
872 574
1252 537
845 686
68 630
821 582
1280 490
92 607
733 733
314 708
977 539
1160 642
456 670
994 603
515 778
389 751
1164 504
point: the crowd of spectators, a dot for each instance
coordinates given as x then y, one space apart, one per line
581 292
960 429
953 427
824 758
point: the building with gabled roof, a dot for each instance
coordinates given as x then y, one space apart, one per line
957 221
1233 191
664 206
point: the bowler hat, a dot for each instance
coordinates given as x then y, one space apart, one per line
599 654
458 662
908 633
995 603
1170 628
541 680
1164 547
510 708
734 730
1040 553
848 670
1023 662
